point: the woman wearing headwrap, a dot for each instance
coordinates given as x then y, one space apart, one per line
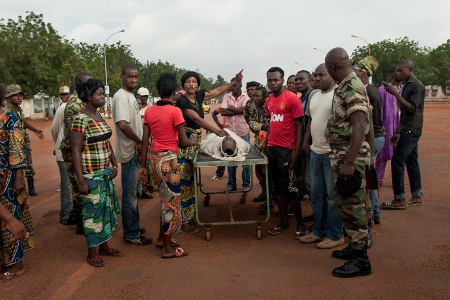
364 68
13 197
191 104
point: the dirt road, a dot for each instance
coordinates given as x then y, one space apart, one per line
410 257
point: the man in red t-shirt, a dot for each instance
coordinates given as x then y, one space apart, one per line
283 147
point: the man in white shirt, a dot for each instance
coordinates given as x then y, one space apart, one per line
129 131
57 134
327 227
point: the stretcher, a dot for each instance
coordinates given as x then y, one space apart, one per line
254 157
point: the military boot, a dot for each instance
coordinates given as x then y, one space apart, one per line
359 265
344 254
31 190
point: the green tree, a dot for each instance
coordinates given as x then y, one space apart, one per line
439 60
388 53
32 54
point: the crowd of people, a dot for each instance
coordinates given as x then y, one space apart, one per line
325 135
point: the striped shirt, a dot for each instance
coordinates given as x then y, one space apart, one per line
95 152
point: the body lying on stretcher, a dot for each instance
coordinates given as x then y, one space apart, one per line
230 147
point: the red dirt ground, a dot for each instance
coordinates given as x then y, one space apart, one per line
410 257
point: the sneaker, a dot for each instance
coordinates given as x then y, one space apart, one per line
246 189
310 238
215 177
142 240
229 189
329 243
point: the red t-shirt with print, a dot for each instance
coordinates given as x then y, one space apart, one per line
282 111
164 121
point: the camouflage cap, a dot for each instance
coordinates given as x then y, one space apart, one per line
64 90
13 89
368 64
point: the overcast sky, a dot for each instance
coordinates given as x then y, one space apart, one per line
225 36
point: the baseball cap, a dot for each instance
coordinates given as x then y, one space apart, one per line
13 89
64 90
143 92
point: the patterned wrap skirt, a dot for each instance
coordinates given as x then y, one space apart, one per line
100 207
185 161
166 175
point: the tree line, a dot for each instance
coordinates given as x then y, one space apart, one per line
431 66
35 56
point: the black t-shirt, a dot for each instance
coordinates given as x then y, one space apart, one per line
414 93
375 100
184 103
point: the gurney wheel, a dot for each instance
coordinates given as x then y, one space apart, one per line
206 201
258 232
243 198
208 233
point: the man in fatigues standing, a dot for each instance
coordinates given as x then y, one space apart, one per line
350 158
73 107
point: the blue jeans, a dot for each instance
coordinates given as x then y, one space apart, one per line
130 211
245 172
65 192
327 221
378 144
406 153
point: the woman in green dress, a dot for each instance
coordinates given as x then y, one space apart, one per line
92 157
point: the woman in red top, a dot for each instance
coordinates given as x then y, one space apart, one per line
165 122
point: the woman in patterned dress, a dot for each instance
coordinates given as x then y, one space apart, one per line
191 104
166 125
12 186
92 155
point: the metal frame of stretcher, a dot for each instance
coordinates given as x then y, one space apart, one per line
254 157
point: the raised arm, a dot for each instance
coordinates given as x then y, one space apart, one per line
222 89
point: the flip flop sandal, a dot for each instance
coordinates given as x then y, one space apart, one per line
96 261
390 205
413 203
276 231
5 276
299 234
173 243
179 252
111 252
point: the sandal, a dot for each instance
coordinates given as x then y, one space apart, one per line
190 229
179 252
299 234
414 202
111 252
276 231
5 276
96 261
394 204
173 243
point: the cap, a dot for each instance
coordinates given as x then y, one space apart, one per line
13 89
143 92
64 90
347 188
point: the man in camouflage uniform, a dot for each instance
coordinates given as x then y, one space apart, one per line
73 107
350 156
